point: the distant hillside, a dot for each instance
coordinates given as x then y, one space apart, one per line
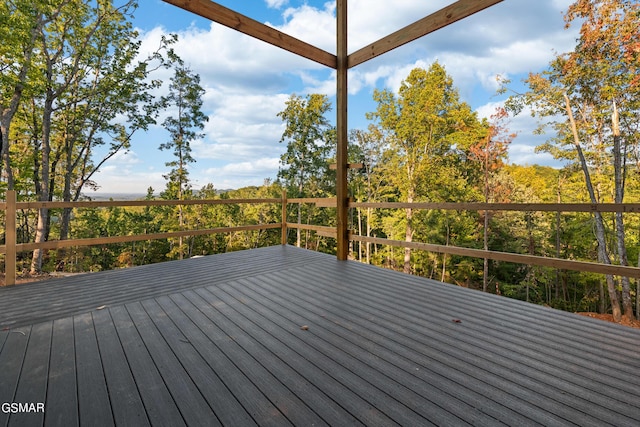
115 196
131 196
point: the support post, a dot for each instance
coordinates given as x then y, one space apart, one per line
10 240
283 228
342 195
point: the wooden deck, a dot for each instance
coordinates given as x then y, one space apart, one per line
283 336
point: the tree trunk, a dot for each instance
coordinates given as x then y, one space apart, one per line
600 229
44 190
5 159
619 166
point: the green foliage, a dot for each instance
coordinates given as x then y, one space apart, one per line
185 103
71 73
428 134
590 97
310 143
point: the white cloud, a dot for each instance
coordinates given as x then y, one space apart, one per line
312 25
276 4
241 174
524 154
248 81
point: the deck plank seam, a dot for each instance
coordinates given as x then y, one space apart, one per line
586 384
101 291
205 378
10 394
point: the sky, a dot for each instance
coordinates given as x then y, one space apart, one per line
247 82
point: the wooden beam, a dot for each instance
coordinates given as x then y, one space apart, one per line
229 18
448 15
342 194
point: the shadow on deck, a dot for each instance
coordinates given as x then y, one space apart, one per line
281 336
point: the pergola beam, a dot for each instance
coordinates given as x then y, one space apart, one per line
341 62
234 20
448 15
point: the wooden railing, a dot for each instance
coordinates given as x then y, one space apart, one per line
11 247
11 206
594 267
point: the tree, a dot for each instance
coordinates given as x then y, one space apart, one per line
82 75
22 23
426 127
310 141
185 99
490 152
590 88
367 184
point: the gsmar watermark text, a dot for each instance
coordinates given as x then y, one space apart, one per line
20 408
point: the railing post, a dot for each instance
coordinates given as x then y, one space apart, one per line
10 240
283 228
342 194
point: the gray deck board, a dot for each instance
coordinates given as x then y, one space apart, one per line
219 340
192 405
32 386
533 370
11 362
206 379
126 403
94 404
62 297
62 391
160 405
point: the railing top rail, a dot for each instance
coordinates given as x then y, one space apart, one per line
143 203
321 200
522 207
329 201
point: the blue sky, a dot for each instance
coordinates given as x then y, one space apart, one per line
247 82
